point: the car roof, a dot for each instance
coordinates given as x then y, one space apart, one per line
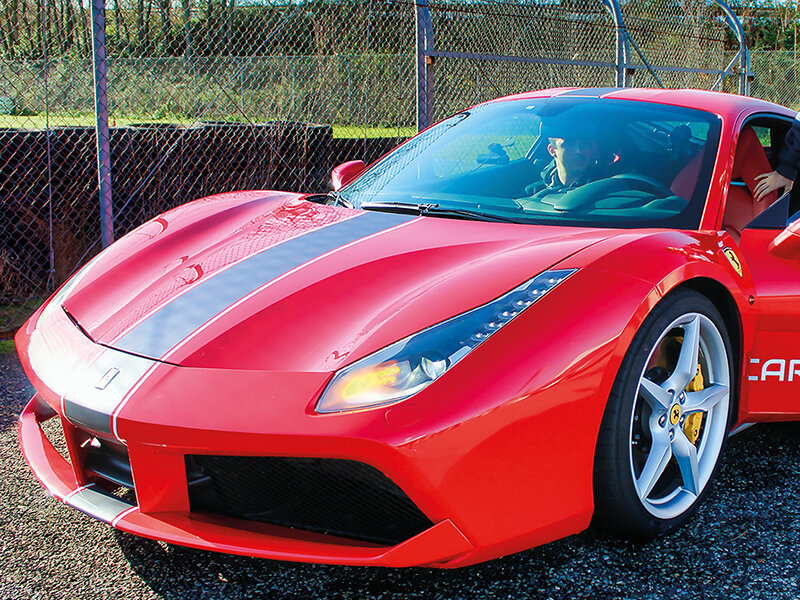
722 104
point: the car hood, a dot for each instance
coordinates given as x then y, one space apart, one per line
268 281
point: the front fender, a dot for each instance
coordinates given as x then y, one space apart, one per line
669 260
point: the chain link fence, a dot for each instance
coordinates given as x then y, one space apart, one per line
207 96
668 35
776 76
491 49
47 164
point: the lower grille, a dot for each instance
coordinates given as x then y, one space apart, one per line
338 497
103 462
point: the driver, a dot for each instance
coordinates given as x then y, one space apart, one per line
575 160
578 157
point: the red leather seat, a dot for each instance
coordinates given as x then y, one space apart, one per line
740 206
686 180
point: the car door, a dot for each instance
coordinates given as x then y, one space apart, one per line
771 368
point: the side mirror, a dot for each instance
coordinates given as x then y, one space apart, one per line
346 172
787 243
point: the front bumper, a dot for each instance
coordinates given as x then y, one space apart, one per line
437 544
175 413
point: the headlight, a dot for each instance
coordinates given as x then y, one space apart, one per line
406 367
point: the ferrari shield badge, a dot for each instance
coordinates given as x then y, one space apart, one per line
733 259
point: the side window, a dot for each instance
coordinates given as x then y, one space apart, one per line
764 134
757 152
771 133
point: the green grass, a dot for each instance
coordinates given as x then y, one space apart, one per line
353 131
80 120
88 120
6 346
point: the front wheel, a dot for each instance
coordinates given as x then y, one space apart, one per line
667 419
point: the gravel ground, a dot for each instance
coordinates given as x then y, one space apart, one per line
743 544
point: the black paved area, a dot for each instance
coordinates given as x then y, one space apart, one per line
745 543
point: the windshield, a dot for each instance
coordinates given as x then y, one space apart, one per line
567 161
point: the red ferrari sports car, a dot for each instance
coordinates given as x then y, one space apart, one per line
546 311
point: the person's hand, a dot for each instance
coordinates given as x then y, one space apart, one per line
769 182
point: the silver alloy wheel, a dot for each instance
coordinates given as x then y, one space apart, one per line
669 469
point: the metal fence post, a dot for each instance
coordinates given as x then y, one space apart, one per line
623 51
425 64
745 75
101 114
743 55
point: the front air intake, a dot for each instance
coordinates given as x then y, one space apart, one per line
343 498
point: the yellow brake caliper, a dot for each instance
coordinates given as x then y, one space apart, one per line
691 427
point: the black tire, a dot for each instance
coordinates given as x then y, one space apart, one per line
635 496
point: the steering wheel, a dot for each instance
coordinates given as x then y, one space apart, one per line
588 195
647 184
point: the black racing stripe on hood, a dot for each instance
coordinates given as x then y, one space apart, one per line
168 326
99 389
90 419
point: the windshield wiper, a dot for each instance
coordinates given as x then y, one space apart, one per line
436 210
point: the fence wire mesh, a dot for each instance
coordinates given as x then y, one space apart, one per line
46 163
491 48
777 77
207 96
666 34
